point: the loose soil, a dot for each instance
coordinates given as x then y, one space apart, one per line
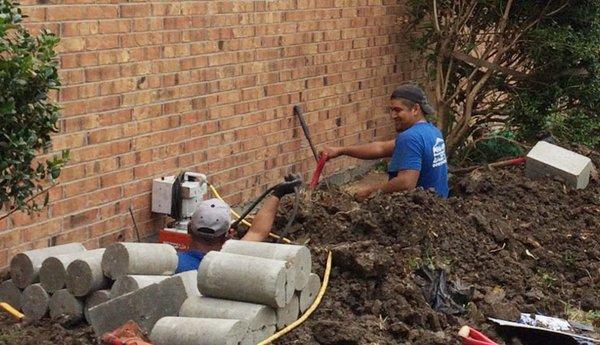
519 245
522 245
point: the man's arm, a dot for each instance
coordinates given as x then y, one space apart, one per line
263 221
405 180
374 150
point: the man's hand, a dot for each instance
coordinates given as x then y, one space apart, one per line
288 186
332 151
364 193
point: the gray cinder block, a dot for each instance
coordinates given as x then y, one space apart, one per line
35 302
65 307
53 273
288 314
197 331
309 293
85 275
245 278
24 267
546 159
94 299
297 256
122 259
144 306
128 284
11 294
261 319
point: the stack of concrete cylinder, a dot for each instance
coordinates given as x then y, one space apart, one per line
66 281
249 290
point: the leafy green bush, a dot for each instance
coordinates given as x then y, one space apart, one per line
498 145
28 72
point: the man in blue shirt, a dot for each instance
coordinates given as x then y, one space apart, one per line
418 154
209 226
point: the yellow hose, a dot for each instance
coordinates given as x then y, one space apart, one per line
309 311
14 312
245 222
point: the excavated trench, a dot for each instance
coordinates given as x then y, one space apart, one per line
513 244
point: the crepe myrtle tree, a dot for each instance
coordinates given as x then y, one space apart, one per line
28 117
526 65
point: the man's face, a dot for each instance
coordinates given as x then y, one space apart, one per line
402 115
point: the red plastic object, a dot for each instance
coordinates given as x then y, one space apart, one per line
517 161
471 336
180 240
128 334
317 174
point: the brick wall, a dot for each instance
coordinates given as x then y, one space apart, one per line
151 88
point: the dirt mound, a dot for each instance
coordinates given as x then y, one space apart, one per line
519 245
514 244
44 332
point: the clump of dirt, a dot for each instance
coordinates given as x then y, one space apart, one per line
44 332
520 245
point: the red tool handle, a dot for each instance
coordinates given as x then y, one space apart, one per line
471 336
318 170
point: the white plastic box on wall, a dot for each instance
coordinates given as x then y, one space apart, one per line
546 159
192 193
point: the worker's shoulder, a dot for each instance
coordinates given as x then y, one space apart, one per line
418 132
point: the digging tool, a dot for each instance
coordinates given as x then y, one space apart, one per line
298 114
322 159
471 336
499 164
318 170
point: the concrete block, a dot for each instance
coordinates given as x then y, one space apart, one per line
84 275
244 278
546 159
11 294
190 280
288 314
94 299
24 267
144 306
197 331
65 307
121 259
128 284
308 295
35 302
260 318
297 256
256 337
53 273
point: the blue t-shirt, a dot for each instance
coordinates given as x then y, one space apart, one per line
188 260
422 147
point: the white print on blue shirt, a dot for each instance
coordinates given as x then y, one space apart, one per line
439 153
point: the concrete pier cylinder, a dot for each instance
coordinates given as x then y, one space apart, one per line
244 278
11 294
197 331
35 302
122 259
84 275
95 298
190 281
288 314
309 293
65 307
297 256
24 267
53 273
257 315
128 284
